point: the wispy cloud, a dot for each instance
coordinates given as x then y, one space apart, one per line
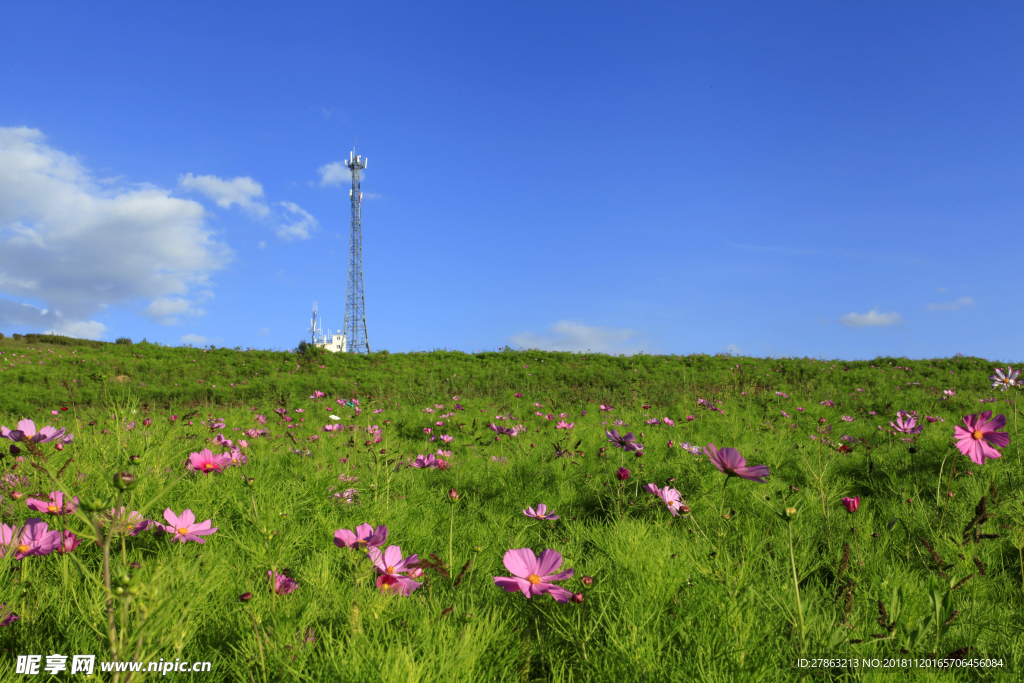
570 336
336 173
166 310
733 349
78 247
871 319
193 339
245 192
952 305
300 228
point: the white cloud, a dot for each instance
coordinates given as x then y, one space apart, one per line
871 319
952 305
336 173
265 331
299 229
241 191
77 248
17 314
569 336
733 349
194 339
372 195
262 245
165 310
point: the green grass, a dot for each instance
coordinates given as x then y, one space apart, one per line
689 598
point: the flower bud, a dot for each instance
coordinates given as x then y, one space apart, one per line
622 473
453 495
133 458
58 446
96 505
790 513
587 581
245 597
16 495
248 481
478 549
124 481
577 597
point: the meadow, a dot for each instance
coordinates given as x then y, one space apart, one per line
553 516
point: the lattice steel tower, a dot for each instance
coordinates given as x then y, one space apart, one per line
355 305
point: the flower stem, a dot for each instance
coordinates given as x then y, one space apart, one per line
796 585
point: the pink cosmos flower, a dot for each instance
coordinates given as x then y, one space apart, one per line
562 424
851 504
690 418
906 425
669 422
626 443
671 498
56 505
518 395
318 394
978 439
540 513
622 473
846 418
533 575
261 419
26 431
605 409
425 461
364 536
35 538
185 528
390 566
729 461
68 542
205 461
7 617
282 584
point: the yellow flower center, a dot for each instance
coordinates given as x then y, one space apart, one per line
390 570
533 578
51 507
23 548
183 530
977 434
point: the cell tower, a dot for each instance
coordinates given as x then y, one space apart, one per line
355 305
314 328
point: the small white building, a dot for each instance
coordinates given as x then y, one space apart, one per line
335 344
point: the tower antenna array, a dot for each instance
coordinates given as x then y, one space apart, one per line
355 305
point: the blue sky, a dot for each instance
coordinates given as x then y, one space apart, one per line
829 179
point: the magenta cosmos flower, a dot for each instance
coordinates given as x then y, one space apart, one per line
205 461
626 443
622 474
851 504
32 539
978 439
671 498
533 576
56 505
185 528
390 567
540 513
729 461
364 536
26 431
562 424
906 424
7 617
282 584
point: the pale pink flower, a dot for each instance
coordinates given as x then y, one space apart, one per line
390 566
185 528
540 513
671 498
364 536
534 576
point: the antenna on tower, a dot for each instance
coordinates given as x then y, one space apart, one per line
355 305
314 330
